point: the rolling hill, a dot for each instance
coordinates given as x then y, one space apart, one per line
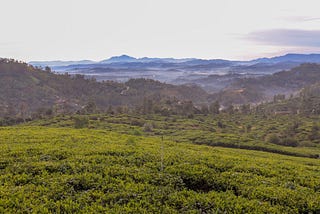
26 89
259 89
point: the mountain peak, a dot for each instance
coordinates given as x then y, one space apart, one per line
122 58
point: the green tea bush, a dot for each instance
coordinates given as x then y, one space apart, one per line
81 122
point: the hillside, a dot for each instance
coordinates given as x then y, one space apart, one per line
25 89
255 90
307 102
162 155
67 170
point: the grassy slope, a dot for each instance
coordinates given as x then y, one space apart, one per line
205 130
47 169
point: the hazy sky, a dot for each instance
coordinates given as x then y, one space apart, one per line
98 29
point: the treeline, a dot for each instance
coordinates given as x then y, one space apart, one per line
308 103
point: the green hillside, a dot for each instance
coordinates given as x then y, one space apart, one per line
117 165
293 135
256 90
153 164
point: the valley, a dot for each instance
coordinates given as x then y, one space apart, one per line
72 144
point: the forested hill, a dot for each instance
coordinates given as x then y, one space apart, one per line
255 90
25 89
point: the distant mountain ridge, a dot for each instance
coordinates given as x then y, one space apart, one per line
290 57
122 58
114 59
211 75
60 63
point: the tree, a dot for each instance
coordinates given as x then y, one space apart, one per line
279 97
110 110
147 107
187 108
230 109
314 134
204 109
90 107
289 141
47 69
245 108
273 138
214 108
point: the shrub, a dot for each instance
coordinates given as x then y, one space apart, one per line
288 141
81 122
136 132
220 125
147 127
130 141
273 138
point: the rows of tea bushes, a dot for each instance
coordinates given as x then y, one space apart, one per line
66 170
293 135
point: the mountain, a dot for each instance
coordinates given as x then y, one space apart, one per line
176 71
291 57
119 59
26 89
297 58
211 75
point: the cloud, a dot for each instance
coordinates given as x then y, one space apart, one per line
286 37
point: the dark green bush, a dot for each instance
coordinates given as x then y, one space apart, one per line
288 141
273 138
81 122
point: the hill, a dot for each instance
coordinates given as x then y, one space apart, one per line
307 102
255 90
26 89
68 170
291 57
177 71
162 155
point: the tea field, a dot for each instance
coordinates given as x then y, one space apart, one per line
49 166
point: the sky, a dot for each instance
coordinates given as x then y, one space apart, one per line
208 29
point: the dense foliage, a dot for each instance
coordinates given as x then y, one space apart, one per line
256 90
84 170
293 135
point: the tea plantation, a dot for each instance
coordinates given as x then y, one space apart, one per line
111 167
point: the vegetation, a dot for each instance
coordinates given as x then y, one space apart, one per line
74 145
46 169
30 92
256 90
